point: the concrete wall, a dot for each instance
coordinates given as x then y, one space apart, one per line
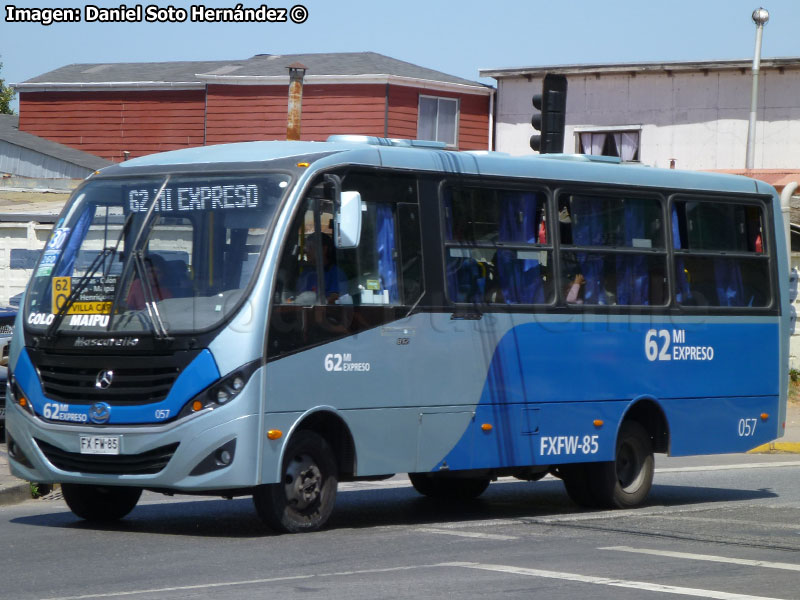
18 236
699 119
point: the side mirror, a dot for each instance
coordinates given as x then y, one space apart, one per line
347 222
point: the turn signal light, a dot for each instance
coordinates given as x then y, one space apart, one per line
197 405
487 427
598 422
274 434
302 164
764 416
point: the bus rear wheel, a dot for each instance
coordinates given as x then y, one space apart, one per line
448 488
100 503
578 484
626 481
304 499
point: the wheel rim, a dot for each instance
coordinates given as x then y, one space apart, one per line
302 482
629 467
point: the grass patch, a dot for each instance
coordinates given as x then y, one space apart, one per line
794 386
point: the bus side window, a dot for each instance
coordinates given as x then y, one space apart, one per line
496 246
720 255
323 292
613 250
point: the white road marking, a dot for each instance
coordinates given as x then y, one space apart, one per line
707 557
726 521
204 586
467 534
761 465
636 585
576 577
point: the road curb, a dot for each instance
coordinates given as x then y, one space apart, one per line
15 493
777 448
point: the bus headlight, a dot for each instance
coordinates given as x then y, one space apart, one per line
15 396
222 392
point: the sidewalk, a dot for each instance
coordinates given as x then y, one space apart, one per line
12 490
790 442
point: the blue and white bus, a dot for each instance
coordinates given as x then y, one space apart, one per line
271 318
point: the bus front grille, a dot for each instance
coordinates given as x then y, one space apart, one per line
134 379
146 463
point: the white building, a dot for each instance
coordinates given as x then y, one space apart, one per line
695 113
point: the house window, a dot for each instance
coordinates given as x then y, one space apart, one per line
438 119
621 143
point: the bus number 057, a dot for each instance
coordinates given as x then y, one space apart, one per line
747 427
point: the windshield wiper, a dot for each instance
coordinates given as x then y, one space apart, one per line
107 252
156 322
150 301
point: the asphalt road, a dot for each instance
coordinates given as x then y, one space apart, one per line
716 527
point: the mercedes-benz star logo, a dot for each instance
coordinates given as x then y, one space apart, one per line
99 412
104 379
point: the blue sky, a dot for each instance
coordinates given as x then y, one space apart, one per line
459 37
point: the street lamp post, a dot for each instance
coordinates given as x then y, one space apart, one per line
760 18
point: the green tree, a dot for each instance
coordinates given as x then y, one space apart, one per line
6 96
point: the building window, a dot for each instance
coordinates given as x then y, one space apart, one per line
621 143
438 120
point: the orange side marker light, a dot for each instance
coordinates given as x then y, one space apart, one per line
274 434
598 422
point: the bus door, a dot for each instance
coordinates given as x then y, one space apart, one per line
499 266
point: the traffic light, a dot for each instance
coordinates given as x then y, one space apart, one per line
550 121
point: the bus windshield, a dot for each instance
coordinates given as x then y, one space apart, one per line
166 254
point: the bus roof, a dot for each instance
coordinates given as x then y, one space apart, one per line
425 156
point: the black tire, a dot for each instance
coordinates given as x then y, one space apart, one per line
577 482
304 500
100 503
625 482
448 488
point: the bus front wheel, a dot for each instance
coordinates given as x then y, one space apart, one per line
100 503
626 481
304 498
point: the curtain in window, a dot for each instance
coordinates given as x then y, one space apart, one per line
587 230
70 252
728 278
520 280
592 143
446 121
386 251
466 280
426 130
682 293
627 144
633 280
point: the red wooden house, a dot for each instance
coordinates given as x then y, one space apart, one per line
140 108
